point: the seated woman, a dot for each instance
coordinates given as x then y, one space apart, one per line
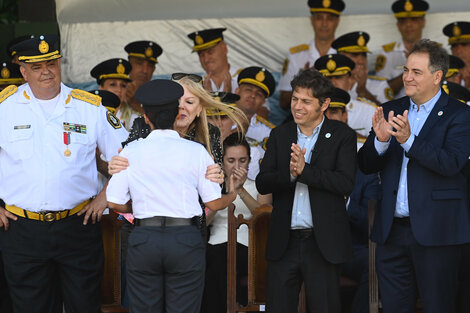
113 75
165 176
235 165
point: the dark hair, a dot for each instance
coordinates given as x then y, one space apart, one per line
161 119
321 87
438 57
235 140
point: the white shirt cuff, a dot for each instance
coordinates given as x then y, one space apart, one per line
407 144
381 147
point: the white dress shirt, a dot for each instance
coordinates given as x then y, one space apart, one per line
166 174
36 175
219 230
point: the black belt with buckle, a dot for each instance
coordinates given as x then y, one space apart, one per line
303 233
161 221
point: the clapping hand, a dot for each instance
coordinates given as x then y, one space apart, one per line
401 125
380 125
297 161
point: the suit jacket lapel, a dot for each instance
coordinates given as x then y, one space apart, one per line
290 137
435 115
321 140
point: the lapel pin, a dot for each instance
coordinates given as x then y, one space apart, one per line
440 113
327 135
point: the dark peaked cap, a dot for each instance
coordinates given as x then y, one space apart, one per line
159 94
108 99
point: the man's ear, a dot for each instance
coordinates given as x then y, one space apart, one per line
438 77
23 72
325 104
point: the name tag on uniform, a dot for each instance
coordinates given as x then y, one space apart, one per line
22 127
76 128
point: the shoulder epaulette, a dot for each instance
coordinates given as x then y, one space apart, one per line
367 101
86 96
264 121
389 47
377 77
7 92
299 48
237 72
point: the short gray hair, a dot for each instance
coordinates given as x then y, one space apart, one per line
438 56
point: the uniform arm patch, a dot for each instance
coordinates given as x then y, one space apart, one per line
389 93
380 62
113 120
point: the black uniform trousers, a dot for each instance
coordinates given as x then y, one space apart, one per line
302 262
165 269
406 269
50 262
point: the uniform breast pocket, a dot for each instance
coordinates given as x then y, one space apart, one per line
80 144
20 142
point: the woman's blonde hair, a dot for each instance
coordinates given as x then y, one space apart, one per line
208 102
126 113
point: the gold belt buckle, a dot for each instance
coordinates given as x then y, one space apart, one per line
49 217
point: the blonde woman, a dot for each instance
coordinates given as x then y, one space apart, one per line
191 122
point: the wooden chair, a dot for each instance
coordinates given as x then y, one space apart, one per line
373 282
258 226
111 283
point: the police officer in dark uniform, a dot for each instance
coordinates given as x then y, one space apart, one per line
166 254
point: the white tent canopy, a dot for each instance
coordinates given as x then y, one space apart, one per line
259 32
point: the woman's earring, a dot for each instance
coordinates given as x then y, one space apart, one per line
198 114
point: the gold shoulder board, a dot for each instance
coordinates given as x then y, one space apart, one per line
264 121
237 72
8 91
299 48
373 77
86 96
389 47
367 101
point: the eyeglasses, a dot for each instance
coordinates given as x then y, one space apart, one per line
195 78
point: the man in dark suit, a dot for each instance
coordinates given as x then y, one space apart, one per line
423 219
309 167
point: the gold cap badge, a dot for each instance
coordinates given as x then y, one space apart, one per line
120 69
331 65
5 73
260 76
199 40
456 31
326 3
408 6
43 47
361 41
148 52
